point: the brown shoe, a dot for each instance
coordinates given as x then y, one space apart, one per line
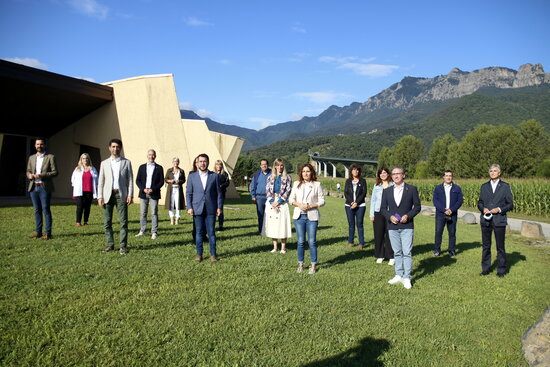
360 247
35 235
198 258
47 237
213 258
350 244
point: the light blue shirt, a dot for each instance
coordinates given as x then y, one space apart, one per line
376 199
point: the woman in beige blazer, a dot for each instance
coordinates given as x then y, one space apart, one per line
174 200
306 198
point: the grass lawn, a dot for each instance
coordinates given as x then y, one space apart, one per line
63 302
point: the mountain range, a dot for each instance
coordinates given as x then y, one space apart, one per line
414 100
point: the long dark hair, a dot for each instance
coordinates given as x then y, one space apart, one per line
194 168
380 170
358 168
301 177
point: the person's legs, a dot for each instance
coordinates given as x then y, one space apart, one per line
45 198
37 205
500 233
379 229
87 198
108 221
439 226
359 218
143 207
407 237
122 209
312 240
486 234
200 224
260 208
211 230
154 215
395 239
351 224
79 208
451 228
300 225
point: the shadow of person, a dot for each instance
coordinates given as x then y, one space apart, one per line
511 260
365 354
460 247
351 255
430 265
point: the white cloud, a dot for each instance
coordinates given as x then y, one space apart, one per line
296 116
28 61
320 97
186 106
203 113
195 22
298 27
360 66
84 78
90 7
264 122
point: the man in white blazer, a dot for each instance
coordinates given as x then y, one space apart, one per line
115 188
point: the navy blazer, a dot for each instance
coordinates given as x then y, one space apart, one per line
157 181
502 198
439 199
204 200
409 205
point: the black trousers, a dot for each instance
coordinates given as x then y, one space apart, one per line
486 235
83 205
382 245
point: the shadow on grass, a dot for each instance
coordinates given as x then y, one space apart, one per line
460 247
351 255
511 260
365 354
150 246
431 265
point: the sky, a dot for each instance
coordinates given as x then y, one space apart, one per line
259 63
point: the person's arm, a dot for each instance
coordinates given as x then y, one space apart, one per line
130 184
508 201
100 184
219 195
437 199
320 196
167 178
416 204
189 197
480 202
182 176
224 181
459 200
363 193
159 182
253 188
384 205
53 169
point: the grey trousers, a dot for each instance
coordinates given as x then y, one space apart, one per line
143 205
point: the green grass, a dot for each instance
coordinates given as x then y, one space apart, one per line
64 303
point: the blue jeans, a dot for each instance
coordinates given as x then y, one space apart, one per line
260 208
402 244
302 225
440 224
356 216
41 203
205 223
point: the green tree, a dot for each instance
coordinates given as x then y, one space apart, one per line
407 152
438 156
534 147
385 158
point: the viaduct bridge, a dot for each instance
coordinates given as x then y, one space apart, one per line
323 162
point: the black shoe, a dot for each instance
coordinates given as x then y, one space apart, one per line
501 275
483 273
452 254
436 253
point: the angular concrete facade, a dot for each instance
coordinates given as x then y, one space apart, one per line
144 115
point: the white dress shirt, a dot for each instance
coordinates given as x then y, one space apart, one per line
447 189
115 170
149 179
494 184
38 168
398 193
204 178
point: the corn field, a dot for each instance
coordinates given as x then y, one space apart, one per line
531 196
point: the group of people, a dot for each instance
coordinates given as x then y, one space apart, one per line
393 205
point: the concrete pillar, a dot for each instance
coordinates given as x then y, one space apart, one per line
319 168
325 165
333 170
347 171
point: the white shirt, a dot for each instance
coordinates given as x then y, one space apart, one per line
398 193
494 184
447 189
149 179
38 168
204 178
115 170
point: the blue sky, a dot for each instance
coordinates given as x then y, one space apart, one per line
255 63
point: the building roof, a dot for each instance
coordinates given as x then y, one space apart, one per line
40 103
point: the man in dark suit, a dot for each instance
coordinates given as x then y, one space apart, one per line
41 168
149 180
400 204
447 198
205 202
495 200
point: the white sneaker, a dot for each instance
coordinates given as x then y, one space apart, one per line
396 279
283 251
139 234
391 262
154 236
379 260
407 283
274 250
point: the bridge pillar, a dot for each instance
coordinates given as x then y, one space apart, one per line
333 170
325 167
319 167
347 171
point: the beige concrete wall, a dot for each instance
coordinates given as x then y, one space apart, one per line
144 115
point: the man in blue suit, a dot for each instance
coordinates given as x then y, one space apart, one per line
400 204
447 198
495 200
205 202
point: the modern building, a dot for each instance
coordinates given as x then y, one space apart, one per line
79 116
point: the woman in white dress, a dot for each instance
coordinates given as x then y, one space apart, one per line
277 216
174 201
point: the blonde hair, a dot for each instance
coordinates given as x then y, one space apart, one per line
274 171
80 165
222 170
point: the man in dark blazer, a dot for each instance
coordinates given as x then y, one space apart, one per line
495 200
41 168
205 202
149 180
447 199
400 204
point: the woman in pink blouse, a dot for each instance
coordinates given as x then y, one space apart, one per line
84 181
